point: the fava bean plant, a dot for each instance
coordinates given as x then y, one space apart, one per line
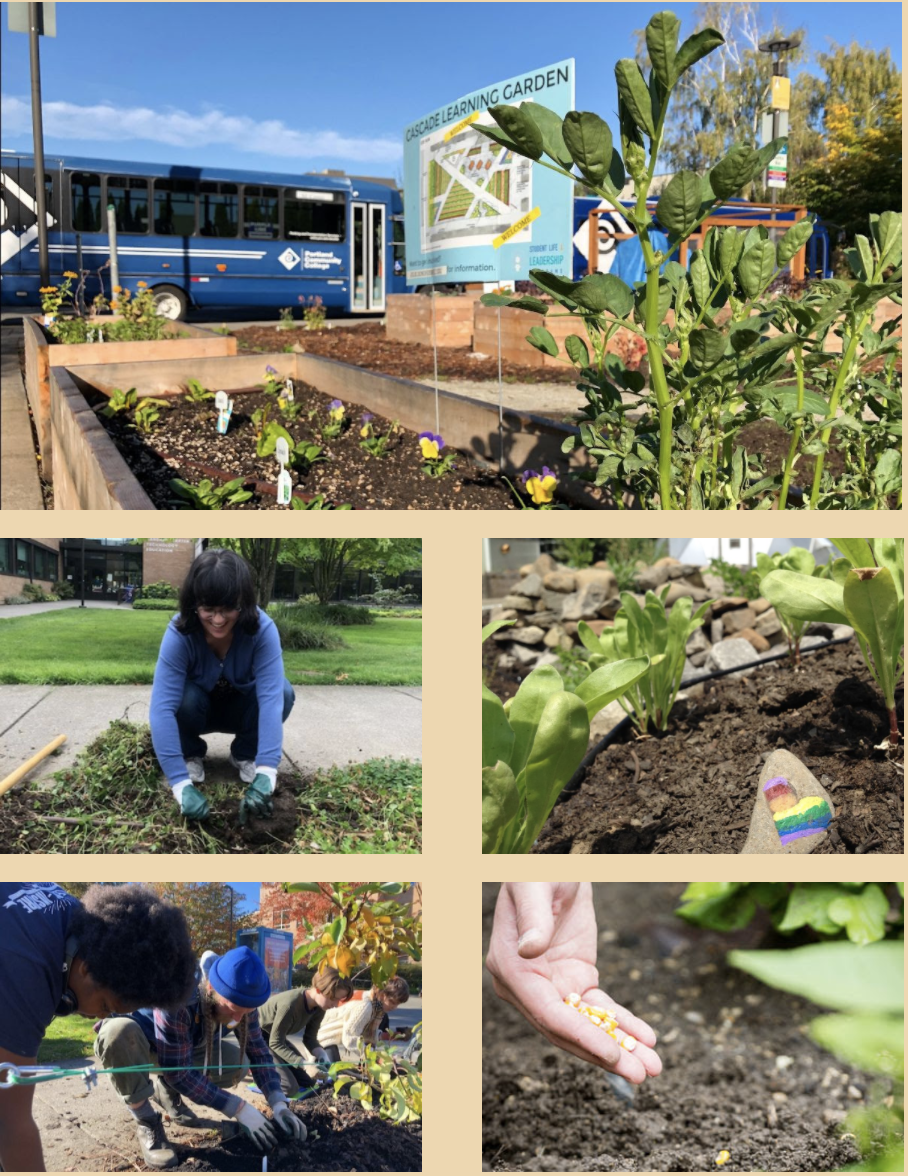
533 744
709 380
866 590
798 559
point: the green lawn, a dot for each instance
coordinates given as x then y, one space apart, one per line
101 646
67 1037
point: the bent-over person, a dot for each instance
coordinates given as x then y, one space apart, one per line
301 1011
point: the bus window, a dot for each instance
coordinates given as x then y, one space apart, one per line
86 202
218 209
129 196
260 212
313 216
174 208
397 238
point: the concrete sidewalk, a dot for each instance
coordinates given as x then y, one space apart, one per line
28 610
20 487
329 725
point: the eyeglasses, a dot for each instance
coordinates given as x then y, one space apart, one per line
208 614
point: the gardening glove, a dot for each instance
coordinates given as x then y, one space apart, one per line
289 1123
256 1126
257 800
192 803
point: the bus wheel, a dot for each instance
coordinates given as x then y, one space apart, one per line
170 302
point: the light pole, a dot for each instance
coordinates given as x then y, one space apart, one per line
778 48
82 575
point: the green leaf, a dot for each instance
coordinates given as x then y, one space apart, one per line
857 551
706 347
805 598
561 289
549 125
700 279
498 136
695 47
500 804
497 736
588 638
734 171
610 682
808 907
839 975
634 94
528 302
872 607
543 340
312 887
577 351
731 245
662 43
889 238
337 928
561 740
862 915
604 292
679 204
526 710
866 255
721 906
493 627
492 299
756 267
794 239
588 138
521 129
870 1042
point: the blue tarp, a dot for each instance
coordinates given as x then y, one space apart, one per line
629 264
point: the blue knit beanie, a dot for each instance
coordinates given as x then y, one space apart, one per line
240 977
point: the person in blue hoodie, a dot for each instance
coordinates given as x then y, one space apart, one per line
220 668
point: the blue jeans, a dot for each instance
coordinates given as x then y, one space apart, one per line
237 714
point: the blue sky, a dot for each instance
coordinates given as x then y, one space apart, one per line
301 87
250 892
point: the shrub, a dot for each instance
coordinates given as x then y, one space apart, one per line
397 612
16 600
345 614
299 630
63 589
34 592
157 605
160 590
737 581
308 598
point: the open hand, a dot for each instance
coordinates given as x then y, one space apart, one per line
543 947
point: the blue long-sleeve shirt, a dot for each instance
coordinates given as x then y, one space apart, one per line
254 662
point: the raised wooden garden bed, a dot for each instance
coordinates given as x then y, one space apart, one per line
41 352
409 319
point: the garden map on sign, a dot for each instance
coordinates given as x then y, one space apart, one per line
471 189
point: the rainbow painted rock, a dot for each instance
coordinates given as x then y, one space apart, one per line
794 818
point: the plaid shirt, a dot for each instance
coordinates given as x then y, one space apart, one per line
178 1034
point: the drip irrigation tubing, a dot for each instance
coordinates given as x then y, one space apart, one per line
578 777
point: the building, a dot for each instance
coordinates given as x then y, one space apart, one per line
109 564
28 561
285 912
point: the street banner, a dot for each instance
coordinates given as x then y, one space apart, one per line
475 212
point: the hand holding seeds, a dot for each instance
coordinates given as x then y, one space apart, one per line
542 957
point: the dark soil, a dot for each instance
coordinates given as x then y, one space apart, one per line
692 789
351 1139
368 347
186 445
738 1072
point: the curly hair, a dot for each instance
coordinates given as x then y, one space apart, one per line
136 944
218 579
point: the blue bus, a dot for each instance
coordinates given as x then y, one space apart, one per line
205 237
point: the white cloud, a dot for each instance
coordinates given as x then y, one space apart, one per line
179 128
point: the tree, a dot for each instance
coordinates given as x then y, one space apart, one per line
262 557
298 906
211 912
326 560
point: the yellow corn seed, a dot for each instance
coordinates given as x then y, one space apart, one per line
630 1043
572 998
596 1020
723 1157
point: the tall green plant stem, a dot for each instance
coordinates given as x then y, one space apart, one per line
796 436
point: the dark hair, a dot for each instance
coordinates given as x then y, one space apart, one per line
330 983
218 579
397 989
136 944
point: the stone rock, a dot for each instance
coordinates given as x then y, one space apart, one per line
530 585
610 608
552 639
724 603
690 671
667 561
520 603
553 601
760 644
559 581
503 634
544 618
543 565
525 654
585 603
528 635
843 631
525 570
680 588
769 626
812 641
728 655
715 631
763 836
603 576
699 659
740 618
697 643
501 614
760 605
506 661
570 627
651 578
714 585
549 658
693 575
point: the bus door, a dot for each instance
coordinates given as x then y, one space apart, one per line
368 239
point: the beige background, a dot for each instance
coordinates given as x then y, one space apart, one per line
451 867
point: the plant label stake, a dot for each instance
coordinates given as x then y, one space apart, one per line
288 391
100 335
225 407
284 484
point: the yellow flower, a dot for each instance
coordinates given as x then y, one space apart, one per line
113 304
141 284
117 289
541 489
69 274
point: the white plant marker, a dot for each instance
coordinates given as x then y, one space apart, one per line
284 483
288 391
100 335
224 405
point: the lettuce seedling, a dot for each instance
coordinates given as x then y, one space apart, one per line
799 560
533 744
866 591
652 633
